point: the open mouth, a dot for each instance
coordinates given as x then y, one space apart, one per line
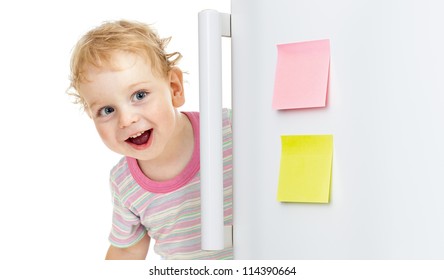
140 138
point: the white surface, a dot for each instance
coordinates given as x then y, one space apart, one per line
385 110
211 152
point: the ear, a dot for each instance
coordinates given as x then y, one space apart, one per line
176 86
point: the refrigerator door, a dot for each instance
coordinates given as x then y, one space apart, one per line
384 109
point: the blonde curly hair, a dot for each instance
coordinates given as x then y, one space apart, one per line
96 47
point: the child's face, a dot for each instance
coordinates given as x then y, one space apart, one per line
133 110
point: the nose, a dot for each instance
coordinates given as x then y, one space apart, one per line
127 117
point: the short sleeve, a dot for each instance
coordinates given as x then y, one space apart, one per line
126 228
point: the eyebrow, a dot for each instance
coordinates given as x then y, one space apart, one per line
93 104
135 85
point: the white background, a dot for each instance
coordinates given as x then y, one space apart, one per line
55 201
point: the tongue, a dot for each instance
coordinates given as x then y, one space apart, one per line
142 139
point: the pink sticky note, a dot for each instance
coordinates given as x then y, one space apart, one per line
302 75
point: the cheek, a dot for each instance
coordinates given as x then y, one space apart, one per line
104 132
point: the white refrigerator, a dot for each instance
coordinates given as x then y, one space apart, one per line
384 109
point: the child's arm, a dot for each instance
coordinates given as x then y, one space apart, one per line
136 252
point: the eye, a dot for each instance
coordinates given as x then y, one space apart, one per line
139 95
105 111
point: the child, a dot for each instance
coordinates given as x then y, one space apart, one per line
131 88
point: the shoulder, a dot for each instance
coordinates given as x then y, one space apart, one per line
121 164
119 172
226 119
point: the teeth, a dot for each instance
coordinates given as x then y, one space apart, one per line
137 135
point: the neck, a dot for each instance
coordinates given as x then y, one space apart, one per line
177 155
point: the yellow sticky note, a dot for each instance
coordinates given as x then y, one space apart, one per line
305 171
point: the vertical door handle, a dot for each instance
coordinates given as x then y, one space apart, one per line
212 26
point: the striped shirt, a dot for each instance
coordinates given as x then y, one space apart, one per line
169 211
